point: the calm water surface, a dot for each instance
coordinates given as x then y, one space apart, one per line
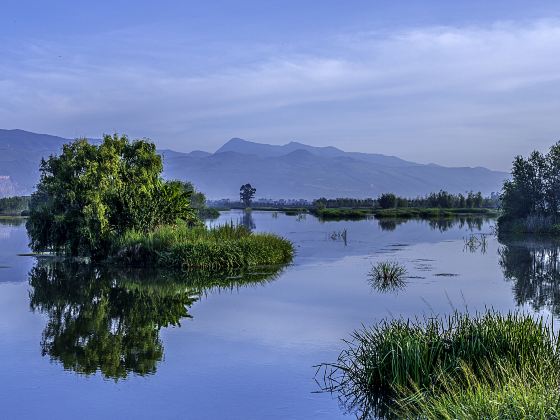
92 342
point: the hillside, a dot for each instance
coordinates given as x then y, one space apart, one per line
294 170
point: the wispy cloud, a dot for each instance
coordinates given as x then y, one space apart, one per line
433 93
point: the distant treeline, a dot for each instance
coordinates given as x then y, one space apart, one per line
14 206
441 199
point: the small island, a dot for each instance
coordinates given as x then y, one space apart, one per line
109 203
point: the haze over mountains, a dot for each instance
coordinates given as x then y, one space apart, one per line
294 170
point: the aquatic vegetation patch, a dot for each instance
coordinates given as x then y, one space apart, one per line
185 247
399 363
388 276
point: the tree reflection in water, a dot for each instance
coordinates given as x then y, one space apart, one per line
108 320
533 264
442 224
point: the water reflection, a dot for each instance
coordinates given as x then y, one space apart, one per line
247 220
12 221
533 265
107 320
443 224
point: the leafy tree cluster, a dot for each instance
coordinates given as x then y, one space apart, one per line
90 194
323 203
441 199
14 205
534 187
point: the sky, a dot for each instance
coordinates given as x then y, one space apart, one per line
458 83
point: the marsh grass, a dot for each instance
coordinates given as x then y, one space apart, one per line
388 276
392 363
223 247
502 392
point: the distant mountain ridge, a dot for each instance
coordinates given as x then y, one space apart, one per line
293 170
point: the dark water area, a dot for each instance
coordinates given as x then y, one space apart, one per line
96 342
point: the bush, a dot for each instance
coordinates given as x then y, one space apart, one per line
89 194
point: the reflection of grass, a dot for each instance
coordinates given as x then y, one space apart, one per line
461 359
388 276
475 243
339 235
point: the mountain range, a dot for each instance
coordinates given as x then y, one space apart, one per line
294 170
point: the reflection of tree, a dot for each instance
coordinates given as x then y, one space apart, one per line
439 223
247 220
108 320
12 221
534 267
443 224
390 224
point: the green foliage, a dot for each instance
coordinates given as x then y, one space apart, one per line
501 393
340 214
345 202
14 206
387 201
246 194
198 203
217 248
531 198
398 359
90 194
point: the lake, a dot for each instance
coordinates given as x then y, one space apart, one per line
95 342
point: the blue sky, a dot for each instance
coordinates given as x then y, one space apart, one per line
452 82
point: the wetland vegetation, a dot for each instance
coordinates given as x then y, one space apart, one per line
110 203
443 367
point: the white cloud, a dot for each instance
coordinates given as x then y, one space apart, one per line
405 93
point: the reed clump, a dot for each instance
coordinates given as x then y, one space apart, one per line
412 364
180 246
388 276
502 392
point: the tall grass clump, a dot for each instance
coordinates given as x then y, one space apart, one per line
388 276
501 393
223 247
397 359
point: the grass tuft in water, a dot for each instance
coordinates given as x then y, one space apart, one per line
388 276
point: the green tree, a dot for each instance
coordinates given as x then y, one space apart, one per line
90 194
387 201
246 194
